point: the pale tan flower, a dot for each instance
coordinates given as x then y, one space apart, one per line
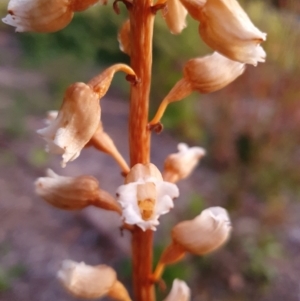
43 15
205 233
145 196
73 193
75 124
180 165
225 27
175 16
79 115
67 192
91 282
205 75
212 72
179 292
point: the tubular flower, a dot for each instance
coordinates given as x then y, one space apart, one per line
79 115
75 123
179 292
91 282
73 193
205 233
145 196
180 165
175 16
43 15
225 27
212 72
67 192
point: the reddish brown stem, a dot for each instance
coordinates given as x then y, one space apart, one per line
141 24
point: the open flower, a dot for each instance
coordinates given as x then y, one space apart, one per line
225 27
179 292
145 196
43 15
180 165
75 124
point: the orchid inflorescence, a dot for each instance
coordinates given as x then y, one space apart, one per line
146 193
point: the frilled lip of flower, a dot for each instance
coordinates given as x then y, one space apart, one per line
127 198
185 150
56 137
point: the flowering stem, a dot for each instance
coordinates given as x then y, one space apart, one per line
141 24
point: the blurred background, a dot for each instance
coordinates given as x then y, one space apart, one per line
250 129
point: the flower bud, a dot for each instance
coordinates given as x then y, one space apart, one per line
175 16
180 165
124 37
225 27
145 196
67 192
205 233
179 292
73 193
212 72
75 124
84 281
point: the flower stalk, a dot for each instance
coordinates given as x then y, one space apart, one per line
141 35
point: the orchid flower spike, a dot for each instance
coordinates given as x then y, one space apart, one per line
145 196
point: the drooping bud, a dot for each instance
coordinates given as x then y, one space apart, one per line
225 27
205 233
175 16
91 282
102 141
124 37
212 72
75 124
180 165
145 196
73 193
43 15
179 292
78 118
205 75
